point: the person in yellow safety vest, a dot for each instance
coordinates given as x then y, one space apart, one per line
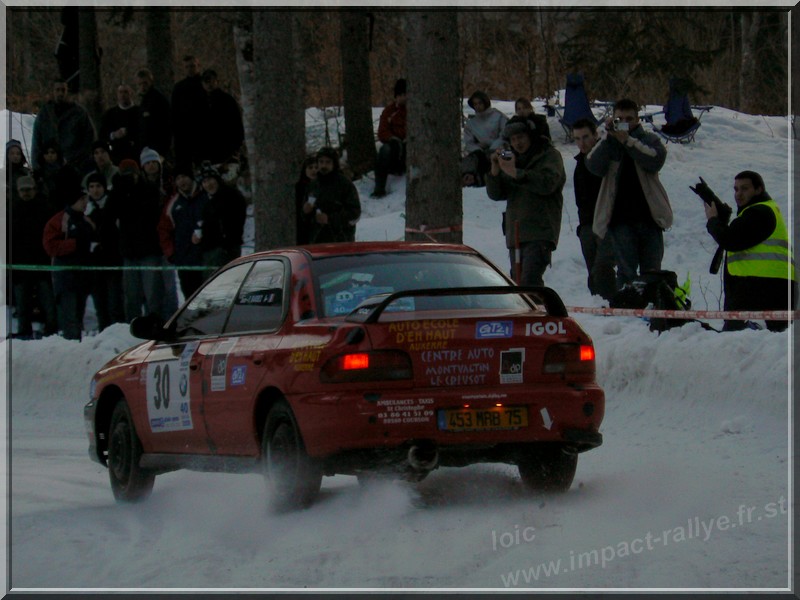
759 270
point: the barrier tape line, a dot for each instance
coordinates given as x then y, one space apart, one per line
726 315
95 268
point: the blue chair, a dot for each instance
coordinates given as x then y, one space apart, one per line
577 105
681 124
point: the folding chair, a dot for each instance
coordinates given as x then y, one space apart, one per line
576 104
681 124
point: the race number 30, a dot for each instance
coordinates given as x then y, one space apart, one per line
168 396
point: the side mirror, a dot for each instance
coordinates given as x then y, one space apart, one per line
150 327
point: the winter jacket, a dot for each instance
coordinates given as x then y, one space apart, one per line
392 123
28 218
338 198
155 124
534 195
188 104
69 249
186 215
221 128
137 209
126 147
648 155
106 253
70 126
223 216
587 187
483 131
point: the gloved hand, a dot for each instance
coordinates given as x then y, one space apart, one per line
705 192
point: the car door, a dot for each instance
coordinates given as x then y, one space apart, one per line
175 379
243 352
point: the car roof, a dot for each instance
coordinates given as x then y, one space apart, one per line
351 248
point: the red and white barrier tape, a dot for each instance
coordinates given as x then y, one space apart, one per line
727 315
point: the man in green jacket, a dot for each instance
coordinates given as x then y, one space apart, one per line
530 177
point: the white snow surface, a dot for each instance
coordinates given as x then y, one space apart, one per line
690 490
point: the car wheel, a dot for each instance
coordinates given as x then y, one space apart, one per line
548 469
129 482
293 478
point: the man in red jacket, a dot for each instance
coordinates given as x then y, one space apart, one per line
392 135
68 238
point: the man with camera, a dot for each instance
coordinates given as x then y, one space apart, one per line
530 177
632 206
759 270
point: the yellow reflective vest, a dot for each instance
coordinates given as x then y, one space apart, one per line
770 258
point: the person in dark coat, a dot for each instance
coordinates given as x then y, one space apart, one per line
221 123
598 254
223 215
67 239
183 218
30 212
303 195
66 123
530 180
137 209
107 284
524 108
392 135
119 127
155 124
188 105
16 167
334 216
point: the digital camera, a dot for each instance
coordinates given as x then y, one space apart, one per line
506 154
620 125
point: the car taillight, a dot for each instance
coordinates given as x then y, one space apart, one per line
569 359
379 365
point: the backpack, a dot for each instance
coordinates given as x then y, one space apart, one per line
658 290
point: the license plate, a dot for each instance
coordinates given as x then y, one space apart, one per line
483 419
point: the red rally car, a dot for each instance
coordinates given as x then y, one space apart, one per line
369 359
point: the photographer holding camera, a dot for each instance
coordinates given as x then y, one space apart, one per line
632 206
530 177
759 270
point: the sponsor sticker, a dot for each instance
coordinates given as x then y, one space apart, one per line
494 329
511 365
545 328
238 375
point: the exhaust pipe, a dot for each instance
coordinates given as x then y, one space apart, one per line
423 457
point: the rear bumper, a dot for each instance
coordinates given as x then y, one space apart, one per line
566 415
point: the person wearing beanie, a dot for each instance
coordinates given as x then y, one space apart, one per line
333 217
529 175
106 286
482 136
103 165
524 108
119 126
392 135
16 167
67 239
223 214
28 216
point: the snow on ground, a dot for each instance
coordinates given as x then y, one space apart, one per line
689 490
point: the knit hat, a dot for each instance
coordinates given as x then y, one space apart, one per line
95 177
11 143
399 87
517 125
149 155
128 165
330 153
208 170
480 96
99 144
26 182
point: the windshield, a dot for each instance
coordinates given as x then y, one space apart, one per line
346 281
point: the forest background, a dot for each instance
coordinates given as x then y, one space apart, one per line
279 62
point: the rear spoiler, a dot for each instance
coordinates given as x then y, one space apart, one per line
371 309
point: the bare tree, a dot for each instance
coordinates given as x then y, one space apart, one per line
354 42
243 40
91 89
160 50
279 129
433 198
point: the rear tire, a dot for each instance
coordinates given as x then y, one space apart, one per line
129 482
293 478
548 469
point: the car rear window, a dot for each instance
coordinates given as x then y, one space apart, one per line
346 281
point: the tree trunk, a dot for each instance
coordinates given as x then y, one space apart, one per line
279 127
433 197
354 42
243 41
89 59
160 51
748 93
